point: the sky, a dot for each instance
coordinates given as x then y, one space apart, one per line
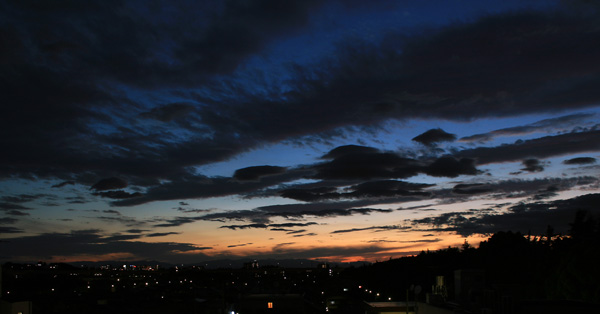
188 131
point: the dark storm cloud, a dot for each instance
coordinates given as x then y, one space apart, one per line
434 136
281 229
109 184
531 217
121 45
256 172
580 161
168 112
80 120
544 147
568 121
84 242
486 68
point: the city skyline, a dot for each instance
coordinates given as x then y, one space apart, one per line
327 130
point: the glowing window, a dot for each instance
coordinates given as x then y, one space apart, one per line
270 305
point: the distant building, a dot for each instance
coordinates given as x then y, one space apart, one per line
251 265
21 307
273 303
389 308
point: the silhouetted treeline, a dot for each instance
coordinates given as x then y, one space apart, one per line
529 267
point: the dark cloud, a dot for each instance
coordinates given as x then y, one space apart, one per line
367 164
6 229
580 161
310 234
568 121
516 188
485 73
193 210
371 164
160 234
22 198
16 213
112 183
256 172
199 186
168 112
471 189
12 206
544 147
434 136
531 217
136 230
177 221
349 150
250 226
119 194
371 189
7 220
533 165
375 228
451 167
90 242
310 195
110 211
60 185
239 245
127 221
293 224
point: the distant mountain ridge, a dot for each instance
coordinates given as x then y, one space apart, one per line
224 263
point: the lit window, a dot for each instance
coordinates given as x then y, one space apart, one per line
270 305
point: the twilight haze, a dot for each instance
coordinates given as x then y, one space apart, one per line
186 131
